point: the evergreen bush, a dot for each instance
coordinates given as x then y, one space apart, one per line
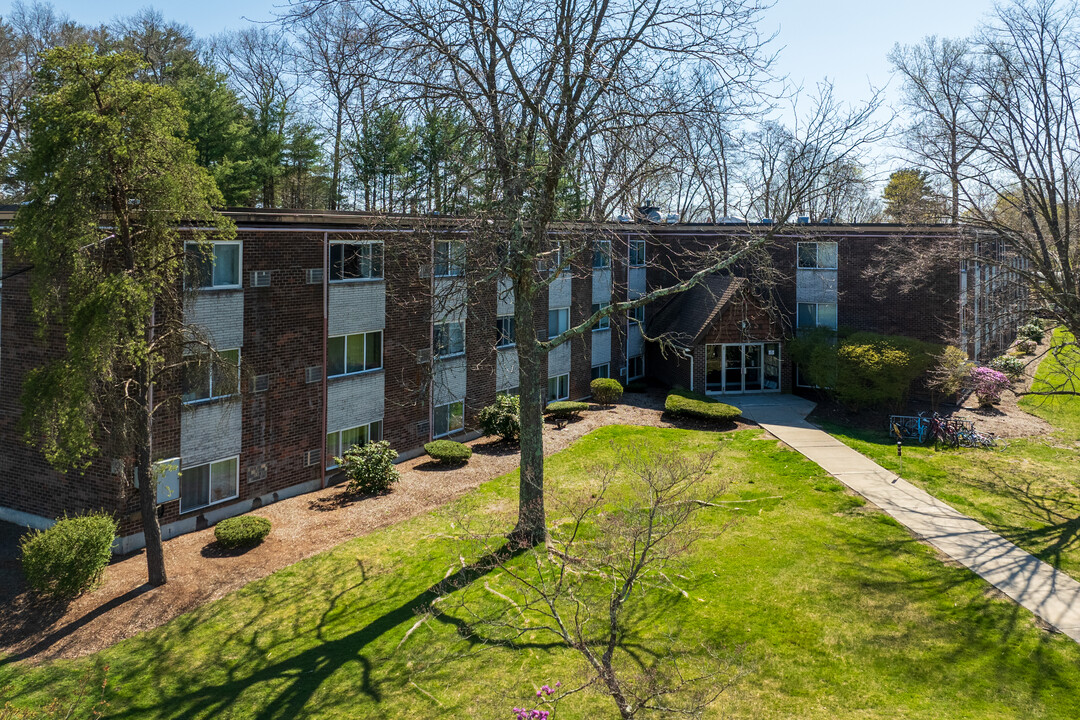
502 418
606 391
241 531
369 468
683 403
1031 331
565 409
448 452
67 559
1012 366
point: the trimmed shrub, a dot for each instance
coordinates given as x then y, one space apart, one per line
241 531
1012 366
565 409
951 371
502 417
864 369
637 386
70 557
683 403
606 391
1026 347
448 452
369 468
988 385
1031 331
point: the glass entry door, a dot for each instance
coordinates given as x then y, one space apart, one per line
742 367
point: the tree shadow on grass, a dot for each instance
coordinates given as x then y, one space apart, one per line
297 678
986 630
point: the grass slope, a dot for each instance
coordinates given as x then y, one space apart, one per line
839 612
1029 491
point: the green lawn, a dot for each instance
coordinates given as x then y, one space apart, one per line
1029 491
839 612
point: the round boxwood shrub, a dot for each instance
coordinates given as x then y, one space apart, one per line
606 391
241 531
1026 347
502 417
565 409
448 452
70 557
686 404
369 468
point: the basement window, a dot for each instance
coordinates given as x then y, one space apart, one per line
339 441
209 484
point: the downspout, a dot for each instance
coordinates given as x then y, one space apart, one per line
325 330
688 353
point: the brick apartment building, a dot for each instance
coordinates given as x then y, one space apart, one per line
349 328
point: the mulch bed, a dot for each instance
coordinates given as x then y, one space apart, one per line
303 526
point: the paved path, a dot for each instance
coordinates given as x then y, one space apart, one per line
1045 591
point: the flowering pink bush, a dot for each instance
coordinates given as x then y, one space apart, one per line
545 692
988 385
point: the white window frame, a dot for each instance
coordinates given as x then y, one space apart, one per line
345 349
635 252
209 367
562 388
236 484
603 323
450 430
817 254
500 335
817 314
607 371
630 367
435 342
563 312
375 264
455 258
330 464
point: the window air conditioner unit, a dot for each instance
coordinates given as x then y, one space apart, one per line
423 428
313 374
423 356
314 276
260 278
312 458
260 383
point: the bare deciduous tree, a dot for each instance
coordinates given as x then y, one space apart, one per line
614 547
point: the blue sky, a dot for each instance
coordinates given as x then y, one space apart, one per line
845 40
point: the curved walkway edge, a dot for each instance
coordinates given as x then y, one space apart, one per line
1049 593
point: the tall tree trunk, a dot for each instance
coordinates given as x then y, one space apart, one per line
531 527
155 553
335 181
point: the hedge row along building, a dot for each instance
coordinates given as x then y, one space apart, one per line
345 328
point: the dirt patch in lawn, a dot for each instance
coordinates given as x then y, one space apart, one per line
303 526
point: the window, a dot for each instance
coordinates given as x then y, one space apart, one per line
558 321
449 339
213 264
348 354
815 315
516 390
603 323
601 256
355 261
817 255
504 331
339 441
637 252
636 315
206 378
449 258
601 371
635 367
449 418
207 484
558 388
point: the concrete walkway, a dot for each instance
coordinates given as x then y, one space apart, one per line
1045 591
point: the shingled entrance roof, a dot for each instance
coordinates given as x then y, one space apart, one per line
686 316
